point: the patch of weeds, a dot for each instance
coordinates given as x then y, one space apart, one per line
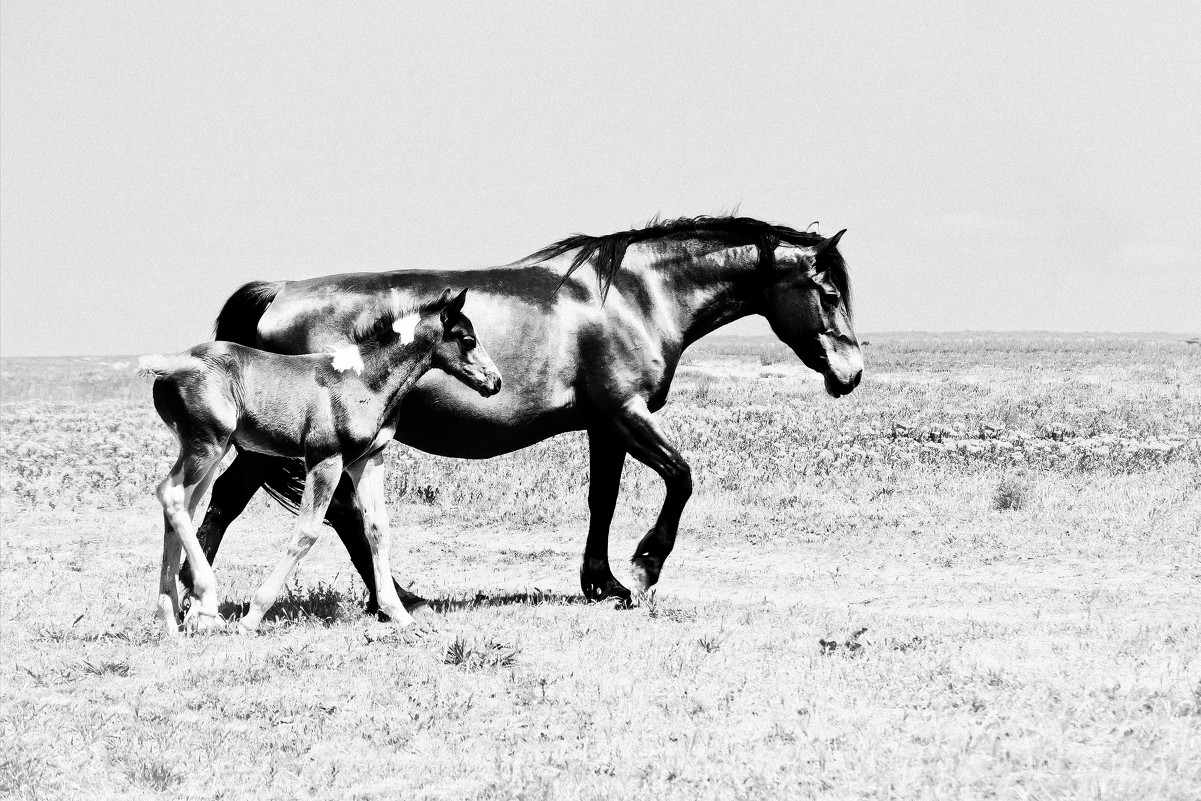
121 669
656 609
155 774
427 494
322 603
472 655
708 643
850 646
1012 493
911 644
17 773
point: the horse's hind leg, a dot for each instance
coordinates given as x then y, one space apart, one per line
606 459
179 494
319 487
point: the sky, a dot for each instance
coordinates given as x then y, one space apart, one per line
999 166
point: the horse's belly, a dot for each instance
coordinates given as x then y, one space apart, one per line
441 419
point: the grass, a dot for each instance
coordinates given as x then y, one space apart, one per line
874 597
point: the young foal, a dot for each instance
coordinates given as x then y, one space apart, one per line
337 411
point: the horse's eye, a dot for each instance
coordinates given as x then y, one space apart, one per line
469 342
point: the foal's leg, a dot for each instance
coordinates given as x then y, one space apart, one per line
347 516
318 489
231 492
647 444
168 587
368 477
179 495
607 456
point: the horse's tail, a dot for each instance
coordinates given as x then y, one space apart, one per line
163 366
239 317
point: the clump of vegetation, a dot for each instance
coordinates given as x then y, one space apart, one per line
851 646
1013 493
472 655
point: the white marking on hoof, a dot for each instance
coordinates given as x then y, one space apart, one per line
640 584
347 358
407 327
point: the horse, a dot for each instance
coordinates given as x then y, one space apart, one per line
588 332
337 411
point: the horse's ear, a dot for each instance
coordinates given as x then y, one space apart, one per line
829 243
457 304
812 229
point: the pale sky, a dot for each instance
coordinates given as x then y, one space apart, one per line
1008 166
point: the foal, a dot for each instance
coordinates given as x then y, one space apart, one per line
336 410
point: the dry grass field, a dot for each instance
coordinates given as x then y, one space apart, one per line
979 576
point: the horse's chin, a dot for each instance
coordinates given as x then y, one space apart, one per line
836 388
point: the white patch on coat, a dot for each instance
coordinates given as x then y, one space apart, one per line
347 358
407 327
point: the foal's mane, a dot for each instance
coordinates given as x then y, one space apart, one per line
609 250
375 332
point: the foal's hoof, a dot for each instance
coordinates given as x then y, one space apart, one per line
198 622
425 615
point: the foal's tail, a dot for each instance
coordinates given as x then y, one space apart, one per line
239 317
160 366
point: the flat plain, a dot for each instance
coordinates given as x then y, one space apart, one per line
978 576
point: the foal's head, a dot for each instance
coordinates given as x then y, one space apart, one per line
455 348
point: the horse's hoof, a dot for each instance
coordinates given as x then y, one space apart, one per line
644 574
600 585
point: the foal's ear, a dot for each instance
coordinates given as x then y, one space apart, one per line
451 307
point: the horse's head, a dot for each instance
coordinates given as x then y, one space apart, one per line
456 349
808 307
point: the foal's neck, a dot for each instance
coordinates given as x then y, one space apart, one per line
392 371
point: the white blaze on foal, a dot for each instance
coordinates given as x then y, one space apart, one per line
406 327
347 358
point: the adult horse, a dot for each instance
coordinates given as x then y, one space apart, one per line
587 333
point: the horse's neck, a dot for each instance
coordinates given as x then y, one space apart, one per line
710 290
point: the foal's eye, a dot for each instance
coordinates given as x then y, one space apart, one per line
469 342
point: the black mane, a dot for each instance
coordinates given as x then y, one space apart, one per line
609 250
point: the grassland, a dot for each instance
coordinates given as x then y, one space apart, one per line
976 577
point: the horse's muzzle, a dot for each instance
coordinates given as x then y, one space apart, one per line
836 387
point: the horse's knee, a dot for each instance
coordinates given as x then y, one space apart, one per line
679 479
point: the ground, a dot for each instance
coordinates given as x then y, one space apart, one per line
975 577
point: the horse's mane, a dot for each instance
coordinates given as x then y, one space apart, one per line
609 250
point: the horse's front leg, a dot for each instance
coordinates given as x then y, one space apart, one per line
607 457
645 441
